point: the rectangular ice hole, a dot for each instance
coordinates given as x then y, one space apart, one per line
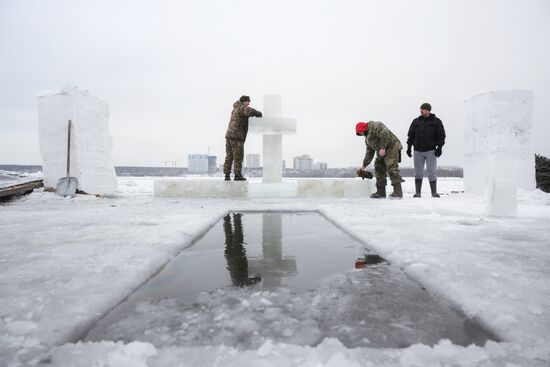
286 277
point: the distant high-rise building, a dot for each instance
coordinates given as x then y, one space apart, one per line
252 161
320 166
303 163
212 162
198 163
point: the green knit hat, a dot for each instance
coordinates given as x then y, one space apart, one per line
426 106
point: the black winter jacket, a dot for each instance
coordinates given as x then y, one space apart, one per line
426 133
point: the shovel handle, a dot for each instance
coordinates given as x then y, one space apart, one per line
69 148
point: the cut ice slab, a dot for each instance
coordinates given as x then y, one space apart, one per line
286 278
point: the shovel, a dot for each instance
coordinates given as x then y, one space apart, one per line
66 186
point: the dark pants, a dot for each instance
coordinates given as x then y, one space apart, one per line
387 165
234 155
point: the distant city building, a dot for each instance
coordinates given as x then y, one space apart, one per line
303 163
212 162
252 161
284 164
198 163
320 166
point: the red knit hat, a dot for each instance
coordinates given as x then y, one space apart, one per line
361 128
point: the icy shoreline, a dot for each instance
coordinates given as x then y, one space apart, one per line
65 262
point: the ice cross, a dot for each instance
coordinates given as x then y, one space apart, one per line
272 126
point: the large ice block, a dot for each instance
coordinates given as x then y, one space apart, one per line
286 189
498 127
498 151
167 188
321 188
91 143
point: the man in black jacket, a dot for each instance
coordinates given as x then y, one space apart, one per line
427 135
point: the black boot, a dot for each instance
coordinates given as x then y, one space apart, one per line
418 186
397 191
239 177
433 186
380 192
227 177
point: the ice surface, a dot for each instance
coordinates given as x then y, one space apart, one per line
91 143
200 188
63 263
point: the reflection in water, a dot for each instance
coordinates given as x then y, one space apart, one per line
367 260
273 266
235 253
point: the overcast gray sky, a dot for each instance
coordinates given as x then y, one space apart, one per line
170 70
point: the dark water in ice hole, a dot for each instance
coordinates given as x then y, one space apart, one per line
285 277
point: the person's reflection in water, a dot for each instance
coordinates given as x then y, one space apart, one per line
235 253
368 260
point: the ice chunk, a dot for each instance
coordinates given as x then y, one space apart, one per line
200 188
320 188
91 143
356 188
285 189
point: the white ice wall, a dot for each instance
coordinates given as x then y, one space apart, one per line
498 151
91 143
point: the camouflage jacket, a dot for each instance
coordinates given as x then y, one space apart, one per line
379 136
238 125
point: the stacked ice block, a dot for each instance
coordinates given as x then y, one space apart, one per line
498 151
91 143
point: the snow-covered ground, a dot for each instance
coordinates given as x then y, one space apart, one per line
65 262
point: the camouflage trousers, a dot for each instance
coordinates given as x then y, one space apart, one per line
234 155
387 165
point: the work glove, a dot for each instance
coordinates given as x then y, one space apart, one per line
364 174
409 152
259 114
438 152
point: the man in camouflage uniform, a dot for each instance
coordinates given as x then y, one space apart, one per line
380 140
236 136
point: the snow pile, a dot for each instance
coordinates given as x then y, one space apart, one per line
498 152
91 143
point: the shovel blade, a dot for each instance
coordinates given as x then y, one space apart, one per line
66 186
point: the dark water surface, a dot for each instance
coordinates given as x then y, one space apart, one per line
285 277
